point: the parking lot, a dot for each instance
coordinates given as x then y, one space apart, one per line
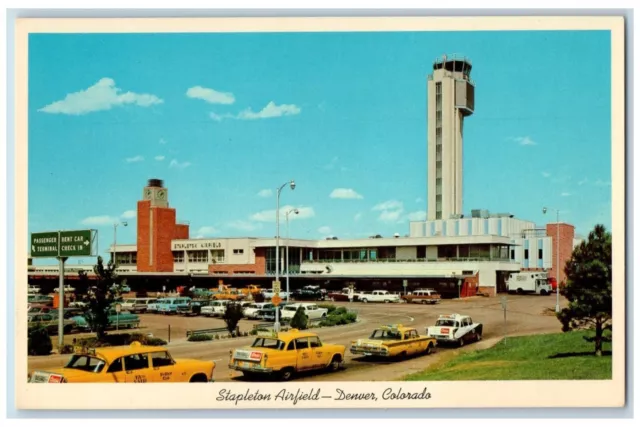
525 315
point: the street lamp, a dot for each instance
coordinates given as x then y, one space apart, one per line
115 235
295 211
544 211
292 184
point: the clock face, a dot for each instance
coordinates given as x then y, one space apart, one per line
161 195
147 194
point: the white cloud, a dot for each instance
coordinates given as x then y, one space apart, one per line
546 174
270 215
565 194
417 216
345 193
325 229
129 214
210 95
101 96
269 111
390 211
159 158
177 165
134 159
207 231
99 220
357 217
388 205
243 225
525 140
267 192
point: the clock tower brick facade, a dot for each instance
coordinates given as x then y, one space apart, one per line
156 229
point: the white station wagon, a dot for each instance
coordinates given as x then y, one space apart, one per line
312 311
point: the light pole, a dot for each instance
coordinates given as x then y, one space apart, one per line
295 211
115 236
544 211
292 184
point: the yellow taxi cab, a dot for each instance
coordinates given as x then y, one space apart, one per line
286 353
135 363
393 341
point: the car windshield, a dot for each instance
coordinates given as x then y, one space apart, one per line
268 343
446 322
86 363
385 334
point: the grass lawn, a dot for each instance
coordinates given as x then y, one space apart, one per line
565 356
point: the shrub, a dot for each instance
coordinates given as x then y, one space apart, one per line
299 320
339 319
39 343
232 316
155 341
200 337
217 336
329 307
118 340
253 332
66 349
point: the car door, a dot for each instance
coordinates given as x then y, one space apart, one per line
413 346
304 360
116 370
137 369
163 368
319 356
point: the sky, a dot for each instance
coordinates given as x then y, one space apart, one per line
225 119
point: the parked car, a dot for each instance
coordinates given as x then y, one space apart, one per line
309 293
67 288
312 311
170 305
134 363
137 305
215 308
40 300
393 341
268 294
122 320
49 321
34 289
455 328
343 295
284 354
251 311
193 307
378 296
422 296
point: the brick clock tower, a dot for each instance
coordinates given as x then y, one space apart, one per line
156 229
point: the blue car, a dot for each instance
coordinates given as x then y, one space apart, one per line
170 305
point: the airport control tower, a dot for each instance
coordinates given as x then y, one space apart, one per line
450 94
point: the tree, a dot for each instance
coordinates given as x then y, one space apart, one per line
299 320
232 316
82 286
100 297
588 288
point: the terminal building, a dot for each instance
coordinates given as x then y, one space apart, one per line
455 253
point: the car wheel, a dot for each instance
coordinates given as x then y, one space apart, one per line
286 374
336 362
387 301
429 349
543 292
519 291
424 301
365 300
478 335
460 342
67 329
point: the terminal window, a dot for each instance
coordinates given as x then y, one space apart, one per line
238 251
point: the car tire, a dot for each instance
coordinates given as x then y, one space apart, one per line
460 342
478 335
543 292
364 300
424 301
387 301
519 291
429 349
286 374
335 364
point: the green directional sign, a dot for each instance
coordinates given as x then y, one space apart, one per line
44 244
62 243
75 243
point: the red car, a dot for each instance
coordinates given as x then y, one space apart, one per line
342 295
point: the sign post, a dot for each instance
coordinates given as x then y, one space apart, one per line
276 301
503 301
404 285
62 245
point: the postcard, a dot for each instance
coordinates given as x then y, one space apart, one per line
234 213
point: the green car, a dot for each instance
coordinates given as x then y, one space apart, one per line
124 320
